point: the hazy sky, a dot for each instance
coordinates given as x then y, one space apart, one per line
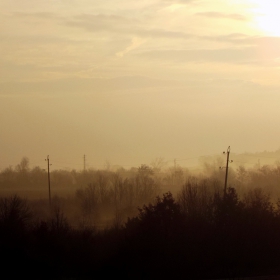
130 81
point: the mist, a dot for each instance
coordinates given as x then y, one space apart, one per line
139 140
114 211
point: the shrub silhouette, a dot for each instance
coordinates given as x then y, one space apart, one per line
163 216
153 237
15 216
14 213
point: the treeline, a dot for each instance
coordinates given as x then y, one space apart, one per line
200 234
22 177
102 198
92 197
65 182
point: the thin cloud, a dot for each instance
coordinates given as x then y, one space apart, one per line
38 15
100 22
92 86
122 25
136 42
181 1
218 15
238 39
227 55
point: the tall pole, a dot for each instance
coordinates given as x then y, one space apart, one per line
49 180
84 163
225 188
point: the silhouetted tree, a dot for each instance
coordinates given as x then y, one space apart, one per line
161 216
14 213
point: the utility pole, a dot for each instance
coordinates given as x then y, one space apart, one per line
49 181
225 188
173 174
84 163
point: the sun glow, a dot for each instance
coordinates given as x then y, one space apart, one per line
267 16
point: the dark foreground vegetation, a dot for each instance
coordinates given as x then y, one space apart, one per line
197 233
197 237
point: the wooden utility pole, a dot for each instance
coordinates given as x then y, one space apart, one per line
226 177
49 181
84 163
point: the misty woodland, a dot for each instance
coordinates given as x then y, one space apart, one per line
142 223
138 85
